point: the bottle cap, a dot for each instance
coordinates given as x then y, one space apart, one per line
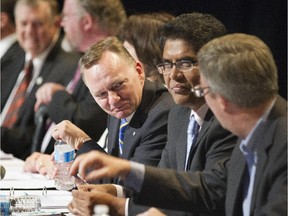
101 209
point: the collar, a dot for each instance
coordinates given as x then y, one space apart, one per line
200 114
128 119
248 144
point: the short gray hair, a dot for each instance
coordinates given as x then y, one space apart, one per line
110 14
241 68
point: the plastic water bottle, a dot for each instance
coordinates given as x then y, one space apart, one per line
64 156
101 210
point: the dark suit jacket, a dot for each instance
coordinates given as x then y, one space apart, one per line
59 67
213 144
146 134
81 109
208 190
12 62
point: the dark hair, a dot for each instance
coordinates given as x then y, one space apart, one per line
195 28
141 31
7 6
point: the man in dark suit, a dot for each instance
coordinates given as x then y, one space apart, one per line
181 39
118 85
74 101
38 30
10 50
239 83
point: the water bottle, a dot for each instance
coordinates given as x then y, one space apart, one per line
101 210
64 156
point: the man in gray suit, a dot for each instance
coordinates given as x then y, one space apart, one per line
10 51
181 39
239 82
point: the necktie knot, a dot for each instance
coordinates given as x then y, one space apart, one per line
193 127
28 69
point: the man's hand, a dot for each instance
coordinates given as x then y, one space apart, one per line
30 162
83 203
106 188
70 134
97 165
40 163
45 93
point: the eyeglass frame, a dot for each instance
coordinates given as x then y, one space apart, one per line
172 64
199 91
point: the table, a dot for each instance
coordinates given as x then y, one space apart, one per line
17 182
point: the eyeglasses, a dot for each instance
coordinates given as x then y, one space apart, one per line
181 65
199 92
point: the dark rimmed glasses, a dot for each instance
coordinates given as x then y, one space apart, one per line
184 65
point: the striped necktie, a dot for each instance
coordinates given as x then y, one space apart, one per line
19 97
123 126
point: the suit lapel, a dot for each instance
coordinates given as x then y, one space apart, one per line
113 131
181 157
262 157
205 126
235 182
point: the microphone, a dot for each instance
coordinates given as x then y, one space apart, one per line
40 121
2 172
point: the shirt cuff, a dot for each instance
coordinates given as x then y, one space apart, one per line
126 207
120 191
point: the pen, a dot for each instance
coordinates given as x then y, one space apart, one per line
80 177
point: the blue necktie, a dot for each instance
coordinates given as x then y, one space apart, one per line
247 195
123 126
192 133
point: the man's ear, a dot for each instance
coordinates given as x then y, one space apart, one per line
225 104
140 70
87 22
4 19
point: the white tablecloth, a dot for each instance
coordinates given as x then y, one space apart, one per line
23 183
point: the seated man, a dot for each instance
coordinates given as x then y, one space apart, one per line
239 83
187 148
38 33
74 101
117 83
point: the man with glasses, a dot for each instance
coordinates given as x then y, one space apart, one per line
239 83
180 41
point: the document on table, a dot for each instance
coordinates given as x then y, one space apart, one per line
16 178
23 180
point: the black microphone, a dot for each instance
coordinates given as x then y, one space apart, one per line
40 121
2 172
